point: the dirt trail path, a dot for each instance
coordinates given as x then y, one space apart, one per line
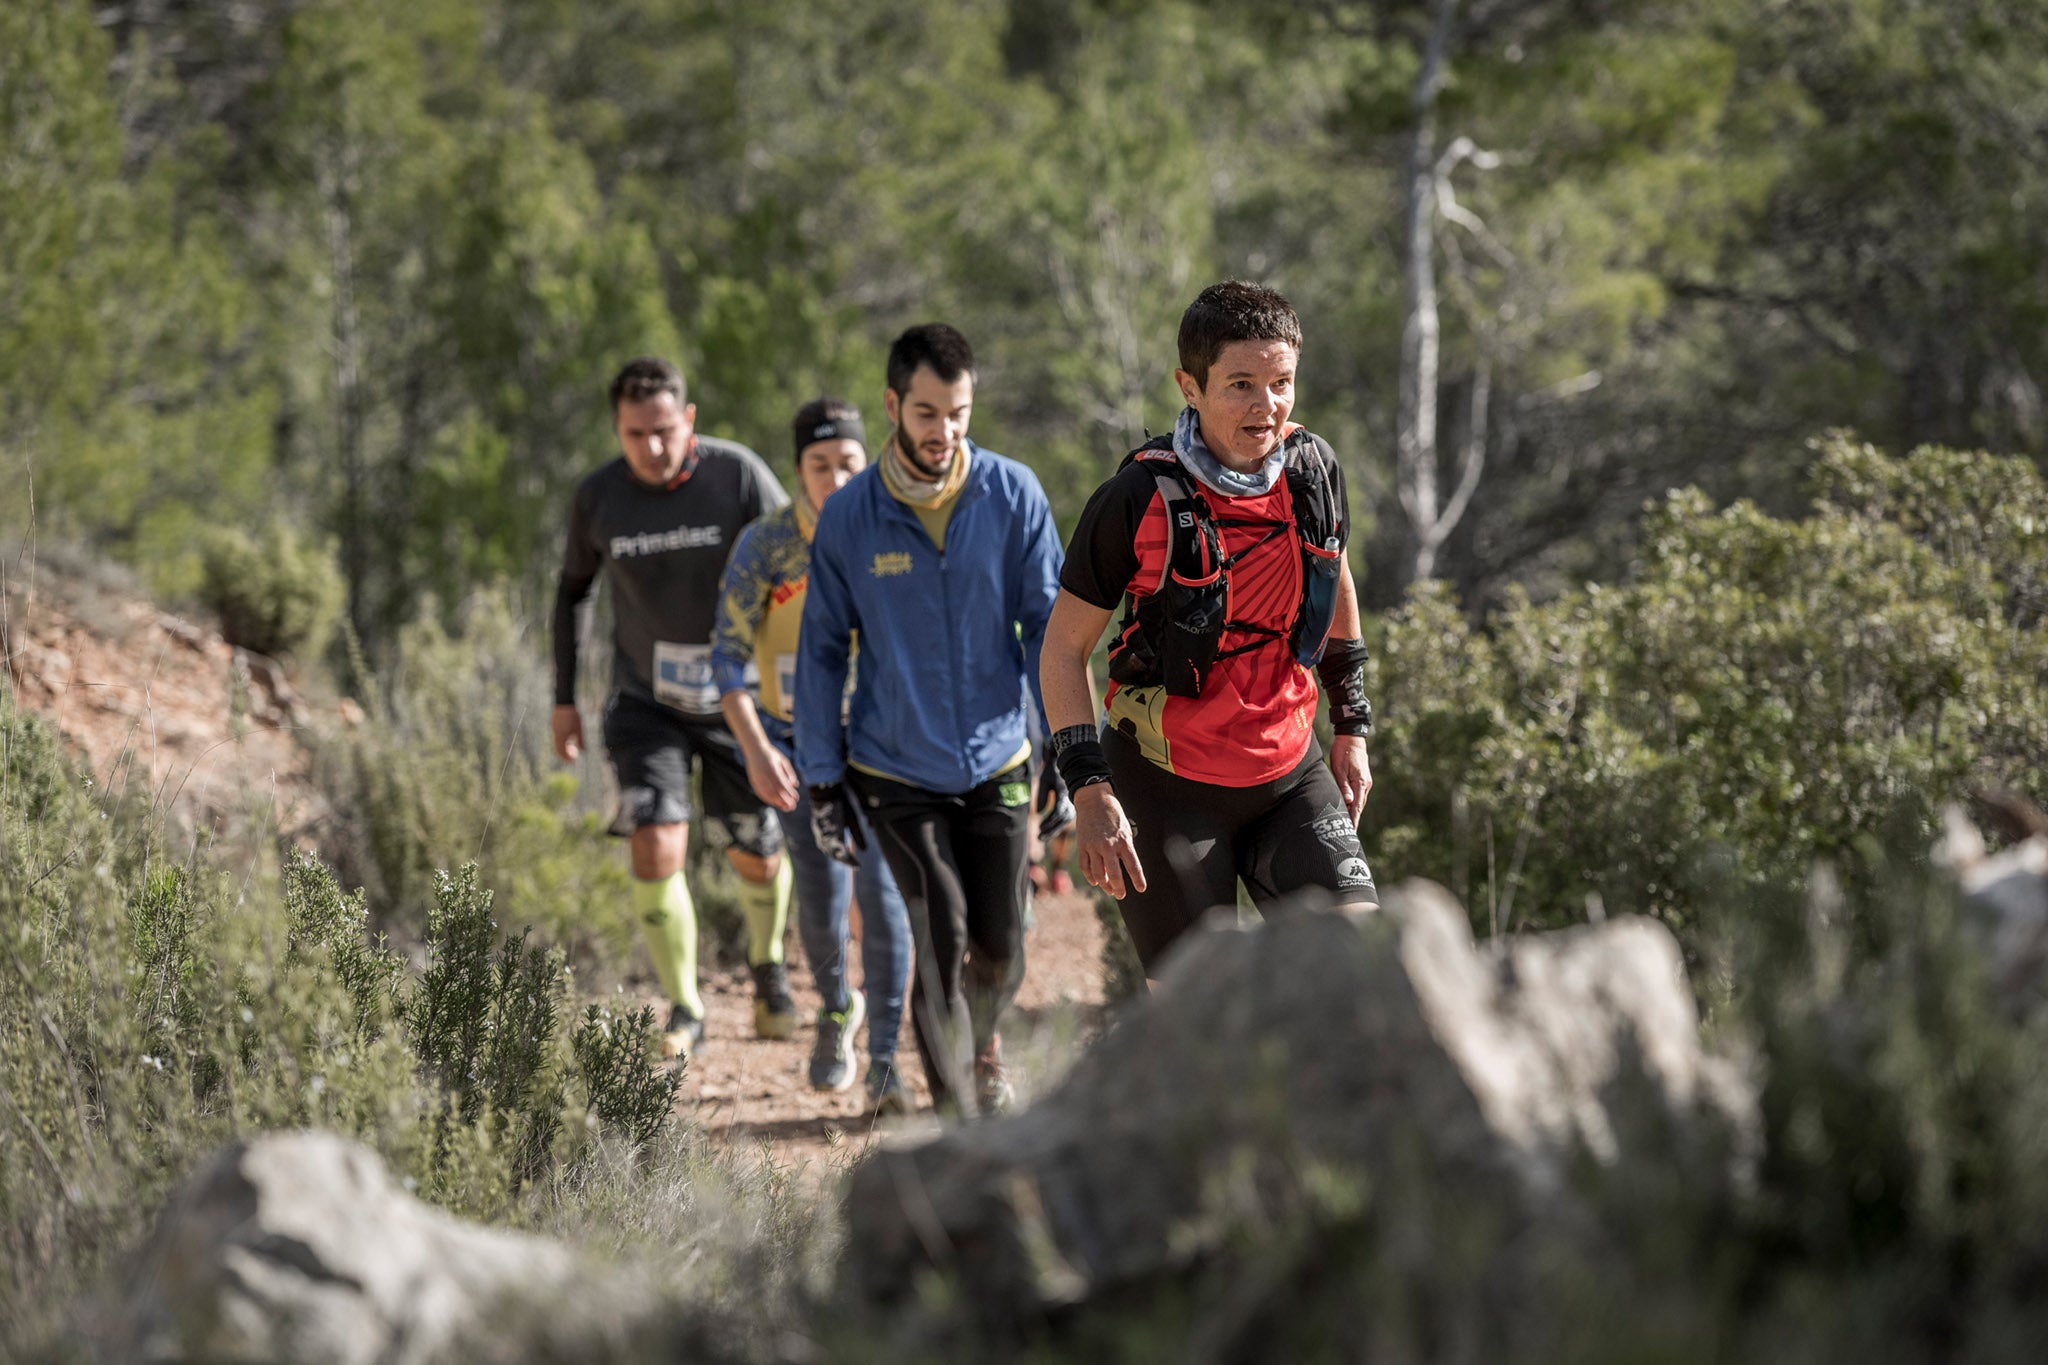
753 1094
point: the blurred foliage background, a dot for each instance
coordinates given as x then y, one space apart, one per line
1686 360
364 268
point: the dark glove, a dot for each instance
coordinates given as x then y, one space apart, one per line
834 826
1055 808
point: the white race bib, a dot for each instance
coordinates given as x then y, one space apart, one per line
682 678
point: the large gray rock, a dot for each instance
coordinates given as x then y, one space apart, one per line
300 1247
1382 1056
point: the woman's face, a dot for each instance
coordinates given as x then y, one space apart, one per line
825 466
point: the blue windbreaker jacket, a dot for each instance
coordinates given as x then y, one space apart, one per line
948 640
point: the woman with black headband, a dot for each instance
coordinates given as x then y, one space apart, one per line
761 604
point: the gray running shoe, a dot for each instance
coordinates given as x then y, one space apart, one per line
682 1035
774 1011
992 1089
887 1098
832 1054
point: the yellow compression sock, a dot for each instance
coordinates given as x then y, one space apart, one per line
766 908
668 921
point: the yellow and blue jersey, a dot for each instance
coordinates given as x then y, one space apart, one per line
761 606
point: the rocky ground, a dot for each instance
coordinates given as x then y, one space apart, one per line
161 709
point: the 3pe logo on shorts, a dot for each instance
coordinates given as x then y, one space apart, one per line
1014 793
1335 830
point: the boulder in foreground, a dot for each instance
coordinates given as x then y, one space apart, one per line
1378 1070
301 1247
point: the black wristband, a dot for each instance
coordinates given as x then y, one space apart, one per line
1071 735
1077 753
1342 672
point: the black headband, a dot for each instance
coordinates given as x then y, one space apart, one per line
829 429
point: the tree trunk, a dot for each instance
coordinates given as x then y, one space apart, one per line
338 183
1416 440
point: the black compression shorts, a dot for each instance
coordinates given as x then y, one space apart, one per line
651 747
1196 839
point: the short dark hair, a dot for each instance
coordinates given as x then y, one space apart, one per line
644 378
930 343
830 413
1234 310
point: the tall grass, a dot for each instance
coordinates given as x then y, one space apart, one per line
455 764
160 1005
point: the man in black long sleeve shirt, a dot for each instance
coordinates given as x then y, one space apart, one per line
659 523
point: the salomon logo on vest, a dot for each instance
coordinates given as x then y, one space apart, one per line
889 563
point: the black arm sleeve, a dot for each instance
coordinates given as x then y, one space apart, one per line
1102 557
580 563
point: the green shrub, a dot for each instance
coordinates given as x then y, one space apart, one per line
321 921
611 1056
154 1010
275 592
455 765
1761 693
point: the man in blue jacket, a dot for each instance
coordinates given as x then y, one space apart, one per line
942 558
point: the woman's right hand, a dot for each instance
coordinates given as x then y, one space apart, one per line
1103 836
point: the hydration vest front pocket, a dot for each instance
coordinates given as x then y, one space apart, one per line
1195 613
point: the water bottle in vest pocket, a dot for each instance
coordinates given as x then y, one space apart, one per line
1320 565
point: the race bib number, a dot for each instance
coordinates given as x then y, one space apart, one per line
682 678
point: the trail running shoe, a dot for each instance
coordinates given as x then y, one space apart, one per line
774 1011
682 1035
992 1089
887 1098
832 1054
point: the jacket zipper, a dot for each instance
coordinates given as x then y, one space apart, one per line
962 764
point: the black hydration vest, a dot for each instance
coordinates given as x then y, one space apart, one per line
1180 624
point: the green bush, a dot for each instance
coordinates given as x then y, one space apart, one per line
156 1009
275 592
1760 695
454 765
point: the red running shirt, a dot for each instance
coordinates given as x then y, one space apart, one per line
1256 715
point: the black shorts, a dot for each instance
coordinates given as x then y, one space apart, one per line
651 747
1196 839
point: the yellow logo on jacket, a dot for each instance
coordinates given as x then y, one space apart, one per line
889 563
